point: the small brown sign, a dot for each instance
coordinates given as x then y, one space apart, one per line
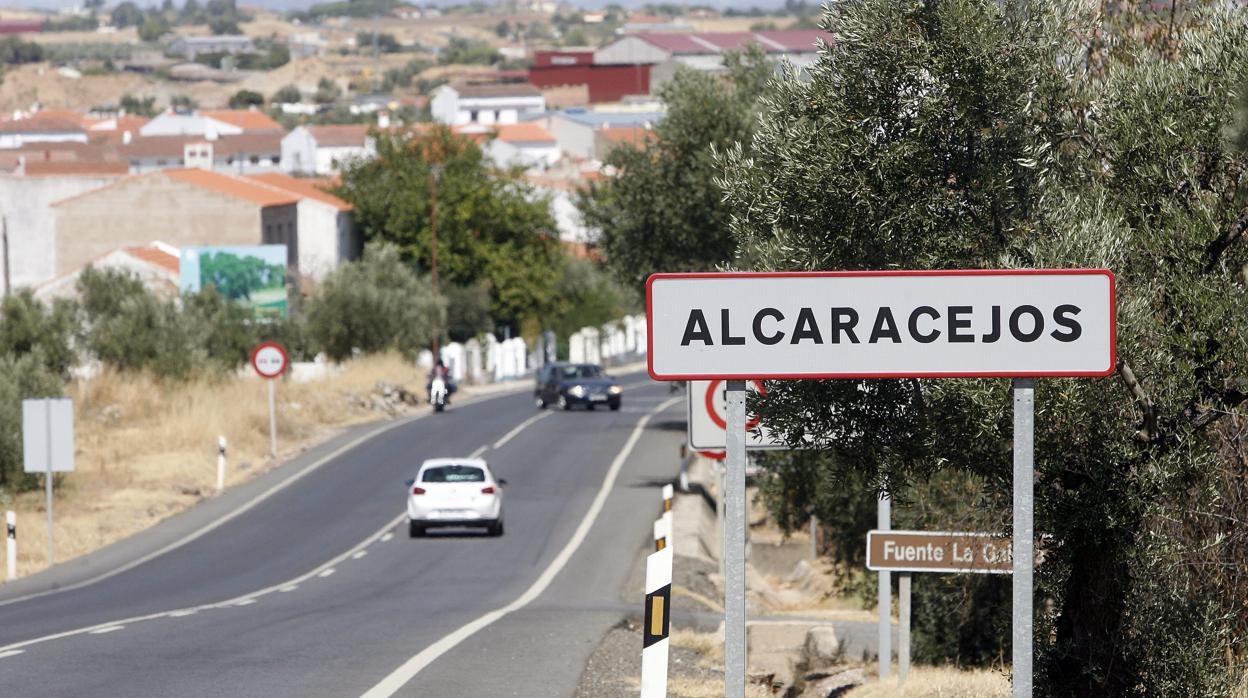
925 551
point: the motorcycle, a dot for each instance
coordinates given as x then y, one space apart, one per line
437 394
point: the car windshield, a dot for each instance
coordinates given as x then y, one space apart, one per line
581 371
453 473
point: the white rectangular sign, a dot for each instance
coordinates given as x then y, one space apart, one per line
41 440
707 419
938 324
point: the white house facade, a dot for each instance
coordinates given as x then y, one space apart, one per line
486 105
324 150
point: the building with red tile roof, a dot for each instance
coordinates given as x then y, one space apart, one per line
184 207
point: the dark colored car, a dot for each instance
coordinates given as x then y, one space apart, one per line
566 385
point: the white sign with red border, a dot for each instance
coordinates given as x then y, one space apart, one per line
707 424
936 324
270 360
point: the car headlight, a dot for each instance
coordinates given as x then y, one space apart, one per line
577 391
615 390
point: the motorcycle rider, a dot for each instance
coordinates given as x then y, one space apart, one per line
440 371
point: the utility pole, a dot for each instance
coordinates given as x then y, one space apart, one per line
4 235
436 174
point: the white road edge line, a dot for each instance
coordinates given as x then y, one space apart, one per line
383 534
233 514
248 505
107 629
11 653
519 428
178 612
407 671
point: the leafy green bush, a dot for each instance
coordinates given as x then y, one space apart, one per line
21 377
29 327
374 304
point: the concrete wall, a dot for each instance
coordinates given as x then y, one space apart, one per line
330 161
26 203
574 138
628 51
298 152
137 211
326 238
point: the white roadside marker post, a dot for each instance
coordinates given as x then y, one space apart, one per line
1024 485
883 522
735 648
668 493
656 624
220 463
10 545
660 534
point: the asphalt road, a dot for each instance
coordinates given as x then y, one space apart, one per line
315 591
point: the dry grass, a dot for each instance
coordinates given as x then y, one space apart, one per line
938 682
709 646
690 687
146 450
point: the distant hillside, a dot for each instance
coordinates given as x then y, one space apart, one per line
284 5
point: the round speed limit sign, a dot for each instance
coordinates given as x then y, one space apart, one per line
270 360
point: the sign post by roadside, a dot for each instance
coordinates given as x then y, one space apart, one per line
270 361
884 521
907 552
48 445
1019 324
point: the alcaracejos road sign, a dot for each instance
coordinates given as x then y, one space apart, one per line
973 323
925 551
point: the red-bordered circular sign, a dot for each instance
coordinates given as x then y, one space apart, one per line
710 405
717 455
270 359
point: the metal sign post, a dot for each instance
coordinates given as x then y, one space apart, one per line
48 445
1024 484
883 521
735 651
903 626
270 361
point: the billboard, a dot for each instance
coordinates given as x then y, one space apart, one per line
253 275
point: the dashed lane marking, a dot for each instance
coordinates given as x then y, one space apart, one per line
398 678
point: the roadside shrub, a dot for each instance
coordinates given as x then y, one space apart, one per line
374 304
21 377
467 311
29 327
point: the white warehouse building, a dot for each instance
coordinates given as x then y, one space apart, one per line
487 105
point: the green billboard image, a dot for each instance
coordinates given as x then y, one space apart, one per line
254 275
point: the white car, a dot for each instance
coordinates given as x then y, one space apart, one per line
455 492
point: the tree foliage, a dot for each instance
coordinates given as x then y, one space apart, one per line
375 304
491 227
28 327
663 211
972 133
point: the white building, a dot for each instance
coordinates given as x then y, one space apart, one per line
244 153
327 234
525 145
156 266
209 123
486 105
323 150
26 202
191 46
41 127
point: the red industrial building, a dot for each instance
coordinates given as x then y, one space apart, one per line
20 26
606 83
